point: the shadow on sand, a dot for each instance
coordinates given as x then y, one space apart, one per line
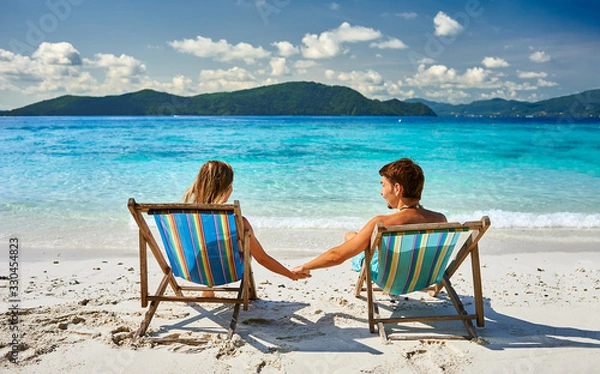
278 326
501 331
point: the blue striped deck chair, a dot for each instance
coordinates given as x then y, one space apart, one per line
205 245
419 256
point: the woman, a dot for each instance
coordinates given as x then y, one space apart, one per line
214 186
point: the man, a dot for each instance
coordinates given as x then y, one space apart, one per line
402 182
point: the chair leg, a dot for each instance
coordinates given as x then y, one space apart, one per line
359 283
380 325
236 311
147 318
458 305
233 323
252 287
143 270
151 309
244 292
371 302
248 287
475 264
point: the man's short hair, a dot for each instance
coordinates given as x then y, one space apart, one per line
406 173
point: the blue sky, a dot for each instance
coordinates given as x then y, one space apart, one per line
446 51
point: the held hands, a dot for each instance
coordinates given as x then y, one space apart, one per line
299 273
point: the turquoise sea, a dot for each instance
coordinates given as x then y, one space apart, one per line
66 180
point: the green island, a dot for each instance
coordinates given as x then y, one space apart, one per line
293 98
302 99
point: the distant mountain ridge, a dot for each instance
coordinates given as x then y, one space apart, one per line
581 105
303 98
292 98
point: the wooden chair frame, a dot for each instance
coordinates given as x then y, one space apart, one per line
245 292
470 248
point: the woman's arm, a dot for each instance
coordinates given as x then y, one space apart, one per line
269 262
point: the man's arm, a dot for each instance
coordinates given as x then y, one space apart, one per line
263 258
341 253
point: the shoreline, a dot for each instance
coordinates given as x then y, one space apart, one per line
305 243
540 310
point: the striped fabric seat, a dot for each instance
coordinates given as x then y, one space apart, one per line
205 244
202 247
413 257
413 260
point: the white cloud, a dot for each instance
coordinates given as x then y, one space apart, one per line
500 94
304 64
512 86
446 26
352 34
474 77
531 74
369 83
278 66
392 43
545 83
330 43
226 80
446 78
57 54
426 61
447 95
14 66
494 62
286 49
391 89
6 55
369 77
221 50
124 68
181 85
433 75
334 6
58 68
79 83
301 66
320 47
181 82
6 85
508 94
53 67
407 15
406 94
539 56
234 73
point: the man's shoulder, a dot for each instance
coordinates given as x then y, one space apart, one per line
386 220
398 218
392 219
436 217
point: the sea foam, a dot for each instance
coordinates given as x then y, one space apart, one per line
499 219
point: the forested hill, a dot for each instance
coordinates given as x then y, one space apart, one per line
292 98
582 105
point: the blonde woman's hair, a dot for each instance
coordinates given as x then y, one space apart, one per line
212 184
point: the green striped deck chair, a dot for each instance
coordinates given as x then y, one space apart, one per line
415 257
205 245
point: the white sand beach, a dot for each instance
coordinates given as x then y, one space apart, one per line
542 299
